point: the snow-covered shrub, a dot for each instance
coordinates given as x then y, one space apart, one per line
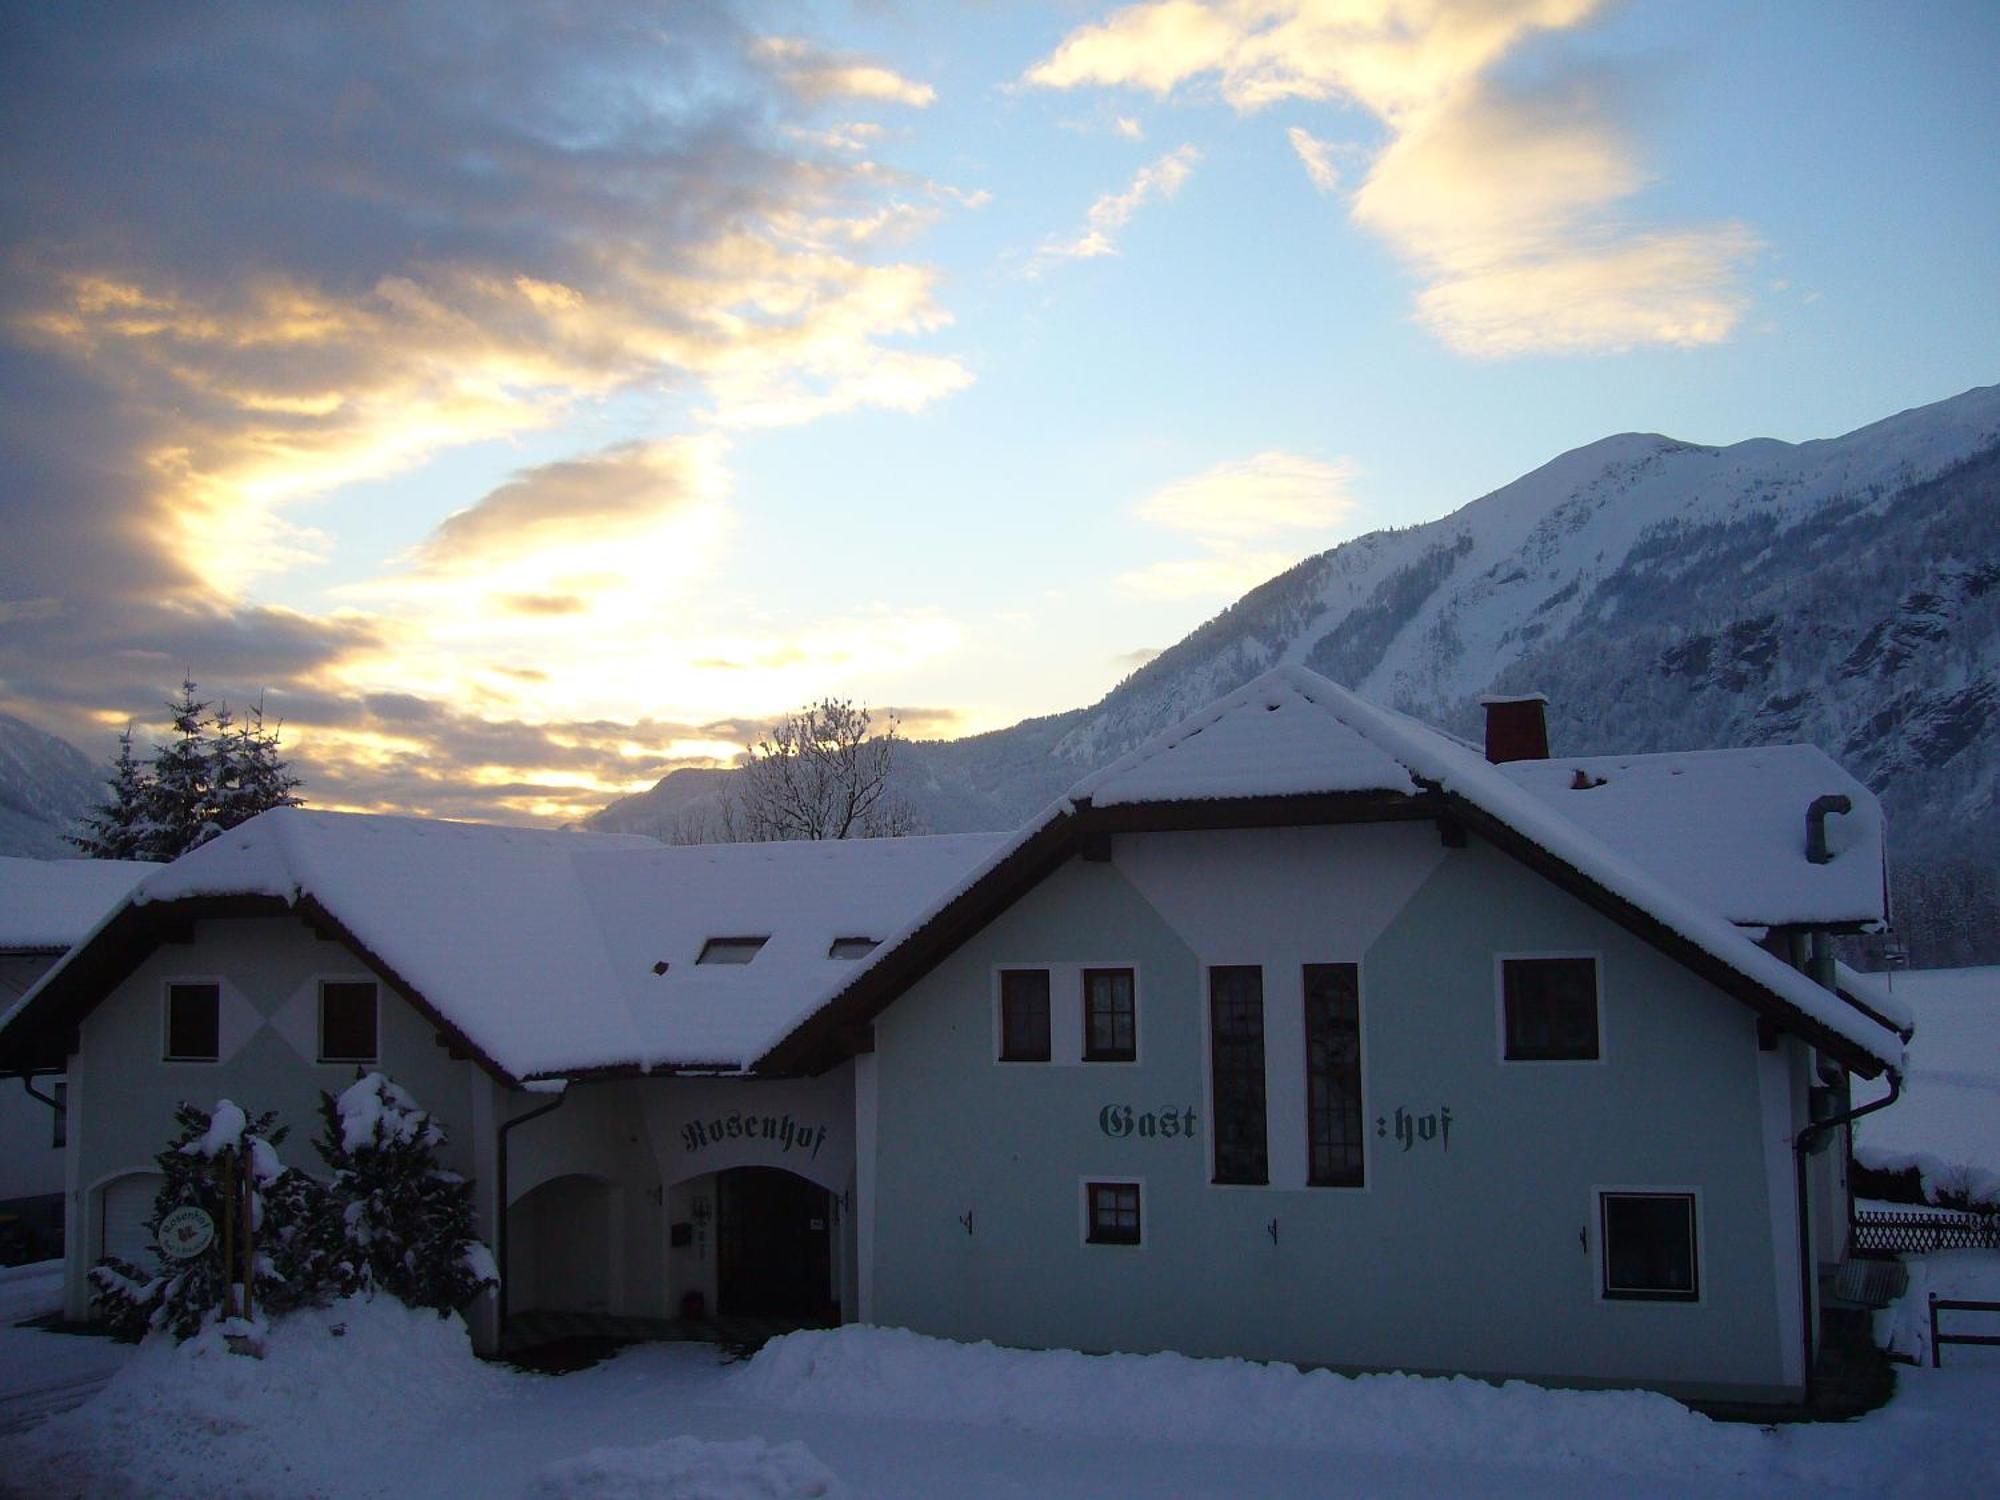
403 1223
211 1151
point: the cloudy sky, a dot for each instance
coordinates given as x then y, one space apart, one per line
525 400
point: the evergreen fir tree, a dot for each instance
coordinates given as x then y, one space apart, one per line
248 775
405 1222
112 828
214 774
180 813
210 1151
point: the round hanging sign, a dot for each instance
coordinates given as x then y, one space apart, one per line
186 1232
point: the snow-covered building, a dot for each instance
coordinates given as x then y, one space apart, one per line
1302 1032
45 906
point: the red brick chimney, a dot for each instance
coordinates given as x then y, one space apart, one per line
1517 728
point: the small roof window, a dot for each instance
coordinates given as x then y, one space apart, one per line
852 947
731 950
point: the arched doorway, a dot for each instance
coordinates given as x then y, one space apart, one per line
774 1246
561 1238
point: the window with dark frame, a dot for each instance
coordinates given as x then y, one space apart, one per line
194 1022
1551 1009
1333 1075
59 1132
1236 1065
347 1021
852 947
1648 1247
1110 1016
1024 1015
1114 1213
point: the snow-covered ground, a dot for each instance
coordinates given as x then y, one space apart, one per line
41 1373
372 1399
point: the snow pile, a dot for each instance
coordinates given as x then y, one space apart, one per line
1904 1326
374 1100
194 1419
860 1371
686 1468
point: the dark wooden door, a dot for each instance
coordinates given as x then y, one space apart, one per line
774 1245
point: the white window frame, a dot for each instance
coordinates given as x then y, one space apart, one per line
1500 962
167 987
1600 1266
1109 1179
320 982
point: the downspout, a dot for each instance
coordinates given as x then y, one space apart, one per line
28 1083
561 1086
1801 1148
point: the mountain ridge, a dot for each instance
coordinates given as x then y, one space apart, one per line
1665 594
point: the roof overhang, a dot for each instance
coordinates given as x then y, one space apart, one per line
42 1033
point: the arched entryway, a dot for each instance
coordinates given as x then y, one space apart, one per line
774 1246
561 1247
124 1204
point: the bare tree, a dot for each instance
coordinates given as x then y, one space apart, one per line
818 774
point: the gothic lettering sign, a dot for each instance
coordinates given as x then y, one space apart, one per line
1120 1121
781 1131
1412 1130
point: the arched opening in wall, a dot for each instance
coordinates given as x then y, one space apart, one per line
560 1243
774 1246
124 1204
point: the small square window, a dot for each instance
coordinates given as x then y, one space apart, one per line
347 1013
194 1022
1110 1016
59 1133
731 950
1648 1246
1551 1009
1024 1015
1114 1213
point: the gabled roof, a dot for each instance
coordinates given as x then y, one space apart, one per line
1727 828
1292 744
47 904
535 950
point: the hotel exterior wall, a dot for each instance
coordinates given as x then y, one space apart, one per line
1480 1255
123 1095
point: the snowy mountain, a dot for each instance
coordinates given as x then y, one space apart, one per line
46 784
1665 595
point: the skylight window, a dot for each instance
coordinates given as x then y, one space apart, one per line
731 950
852 947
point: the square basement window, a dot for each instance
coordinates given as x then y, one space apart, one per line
1114 1213
731 950
194 1022
1648 1247
347 1021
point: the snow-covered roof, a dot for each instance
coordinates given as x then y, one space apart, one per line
47 904
1291 732
1277 736
1727 828
539 946
1947 1122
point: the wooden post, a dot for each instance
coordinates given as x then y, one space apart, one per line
229 1236
249 1240
1934 1332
